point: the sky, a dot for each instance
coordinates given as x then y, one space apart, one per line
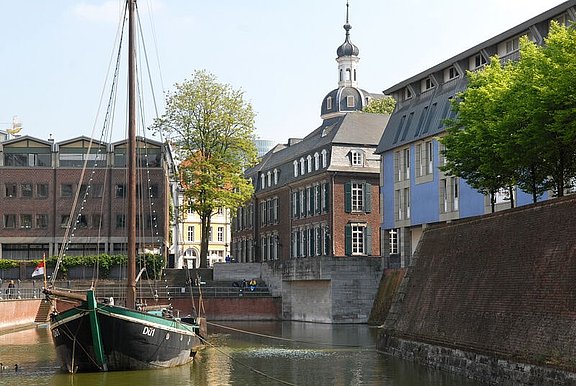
54 55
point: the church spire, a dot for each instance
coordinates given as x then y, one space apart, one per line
347 56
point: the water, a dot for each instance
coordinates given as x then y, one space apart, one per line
306 354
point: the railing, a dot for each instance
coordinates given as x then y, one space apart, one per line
21 293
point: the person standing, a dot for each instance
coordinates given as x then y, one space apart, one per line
10 290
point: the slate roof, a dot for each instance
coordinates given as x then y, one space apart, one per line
354 128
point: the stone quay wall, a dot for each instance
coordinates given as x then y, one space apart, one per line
316 289
502 286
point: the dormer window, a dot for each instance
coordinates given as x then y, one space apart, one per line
451 73
357 158
316 161
269 175
329 103
275 176
427 84
512 45
350 101
302 166
407 93
262 181
295 168
477 61
324 158
309 163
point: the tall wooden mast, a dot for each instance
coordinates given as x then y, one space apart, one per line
131 223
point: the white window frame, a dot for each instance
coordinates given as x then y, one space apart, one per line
350 101
329 103
190 233
357 158
309 163
358 246
220 234
324 158
393 237
357 197
316 161
295 163
302 166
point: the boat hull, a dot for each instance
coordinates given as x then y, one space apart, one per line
123 339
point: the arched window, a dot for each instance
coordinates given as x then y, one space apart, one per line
302 166
324 158
348 74
316 161
309 163
295 168
269 179
275 176
262 181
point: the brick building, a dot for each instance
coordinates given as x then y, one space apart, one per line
318 196
40 181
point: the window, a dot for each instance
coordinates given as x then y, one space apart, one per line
477 61
329 103
66 190
269 176
9 221
190 233
295 168
451 73
42 221
357 197
324 197
42 190
357 158
302 166
25 221
295 204
429 157
454 186
64 219
358 239
316 161
512 45
275 176
26 190
120 221
350 101
220 234
427 84
81 221
309 163
406 159
406 206
120 191
324 158
407 93
11 190
443 196
393 241
19 158
262 181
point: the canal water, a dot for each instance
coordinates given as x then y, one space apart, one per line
239 353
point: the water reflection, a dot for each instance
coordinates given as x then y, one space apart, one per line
300 354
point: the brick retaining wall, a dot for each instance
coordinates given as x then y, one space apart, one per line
502 285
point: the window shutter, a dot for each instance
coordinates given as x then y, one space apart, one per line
305 251
367 198
304 207
312 209
368 239
297 212
347 197
312 242
326 197
348 240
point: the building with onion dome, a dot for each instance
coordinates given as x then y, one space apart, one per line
318 195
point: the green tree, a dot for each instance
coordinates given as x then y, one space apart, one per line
383 105
211 127
474 144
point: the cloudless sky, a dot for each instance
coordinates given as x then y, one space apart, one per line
54 55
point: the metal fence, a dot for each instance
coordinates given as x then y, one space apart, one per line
119 292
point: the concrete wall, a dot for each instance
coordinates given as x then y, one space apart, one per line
500 285
14 313
316 289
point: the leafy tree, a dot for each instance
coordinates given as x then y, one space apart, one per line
211 127
516 122
474 147
383 105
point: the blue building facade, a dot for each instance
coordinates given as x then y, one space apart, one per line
414 191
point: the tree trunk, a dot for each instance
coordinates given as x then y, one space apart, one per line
511 192
205 231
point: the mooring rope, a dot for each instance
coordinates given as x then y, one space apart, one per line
290 340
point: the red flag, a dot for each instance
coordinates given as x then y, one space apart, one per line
39 269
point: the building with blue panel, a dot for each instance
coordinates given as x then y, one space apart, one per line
413 189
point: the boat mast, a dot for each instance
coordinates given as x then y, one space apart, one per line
131 223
